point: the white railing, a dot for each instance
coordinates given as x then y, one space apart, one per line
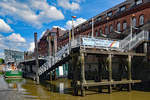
126 44
132 40
50 60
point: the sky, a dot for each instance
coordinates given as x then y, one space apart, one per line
19 19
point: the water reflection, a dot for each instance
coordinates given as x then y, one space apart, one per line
58 90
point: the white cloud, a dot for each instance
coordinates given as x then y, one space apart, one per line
59 27
76 22
34 12
13 41
69 6
43 33
16 38
32 46
79 1
4 27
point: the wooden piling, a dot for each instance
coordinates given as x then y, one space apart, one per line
50 76
129 71
75 73
82 74
110 72
99 74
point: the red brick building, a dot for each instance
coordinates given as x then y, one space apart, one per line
108 24
49 42
115 19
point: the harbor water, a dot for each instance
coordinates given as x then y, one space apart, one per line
24 89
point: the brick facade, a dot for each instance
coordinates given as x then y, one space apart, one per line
121 13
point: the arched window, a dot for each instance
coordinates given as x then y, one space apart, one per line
124 25
134 21
118 26
106 30
111 28
141 21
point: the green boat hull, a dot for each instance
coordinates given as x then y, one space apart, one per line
13 74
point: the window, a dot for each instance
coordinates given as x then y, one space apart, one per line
111 28
89 34
96 33
90 22
124 25
122 8
134 21
99 18
100 31
118 26
137 2
109 14
106 30
141 21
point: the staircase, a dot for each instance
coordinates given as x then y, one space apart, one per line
51 60
127 44
133 40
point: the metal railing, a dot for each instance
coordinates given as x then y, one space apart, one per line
132 40
126 44
52 60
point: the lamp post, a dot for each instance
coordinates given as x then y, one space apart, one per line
92 27
131 26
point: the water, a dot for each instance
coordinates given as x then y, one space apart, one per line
58 90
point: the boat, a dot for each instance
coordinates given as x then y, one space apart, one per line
11 71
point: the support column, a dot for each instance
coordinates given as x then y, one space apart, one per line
110 72
82 74
145 47
50 76
99 74
55 74
129 72
74 73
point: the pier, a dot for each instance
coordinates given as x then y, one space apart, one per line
98 62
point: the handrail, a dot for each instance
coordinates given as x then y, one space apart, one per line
126 44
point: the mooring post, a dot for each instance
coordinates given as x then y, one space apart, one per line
129 71
36 58
75 73
82 74
110 72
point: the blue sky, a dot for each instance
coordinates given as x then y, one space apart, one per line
19 19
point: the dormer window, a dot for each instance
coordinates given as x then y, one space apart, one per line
137 2
109 14
122 8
